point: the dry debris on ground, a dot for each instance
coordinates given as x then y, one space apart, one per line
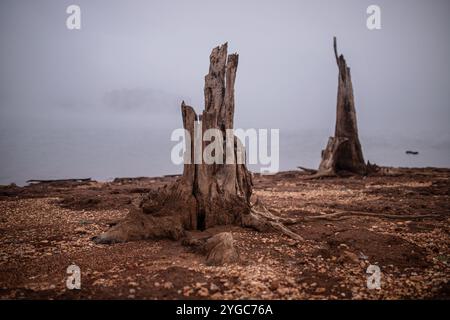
46 227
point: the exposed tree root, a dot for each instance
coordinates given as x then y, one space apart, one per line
347 214
321 174
140 226
261 219
307 170
341 215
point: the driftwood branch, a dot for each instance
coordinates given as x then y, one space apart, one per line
341 215
59 180
307 170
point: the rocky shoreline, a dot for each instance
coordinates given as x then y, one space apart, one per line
47 226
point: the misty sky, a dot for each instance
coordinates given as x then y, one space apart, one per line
133 61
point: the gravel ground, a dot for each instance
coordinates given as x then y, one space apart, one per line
44 228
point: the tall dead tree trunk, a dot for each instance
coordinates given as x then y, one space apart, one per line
343 151
205 195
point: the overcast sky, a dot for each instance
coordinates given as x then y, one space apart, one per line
134 56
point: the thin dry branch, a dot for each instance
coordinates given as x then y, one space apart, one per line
307 170
335 50
340 215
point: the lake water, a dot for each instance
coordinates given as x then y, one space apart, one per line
80 147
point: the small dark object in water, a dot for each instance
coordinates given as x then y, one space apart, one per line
412 152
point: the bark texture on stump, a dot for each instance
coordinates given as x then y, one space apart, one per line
343 151
221 192
206 194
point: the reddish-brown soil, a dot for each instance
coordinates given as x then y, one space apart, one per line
46 227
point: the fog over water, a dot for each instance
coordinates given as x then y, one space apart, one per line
102 101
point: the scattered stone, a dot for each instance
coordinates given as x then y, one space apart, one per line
220 249
320 290
168 285
203 292
348 257
80 231
274 285
283 291
213 287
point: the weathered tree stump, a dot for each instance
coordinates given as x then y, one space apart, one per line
205 195
221 191
343 151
